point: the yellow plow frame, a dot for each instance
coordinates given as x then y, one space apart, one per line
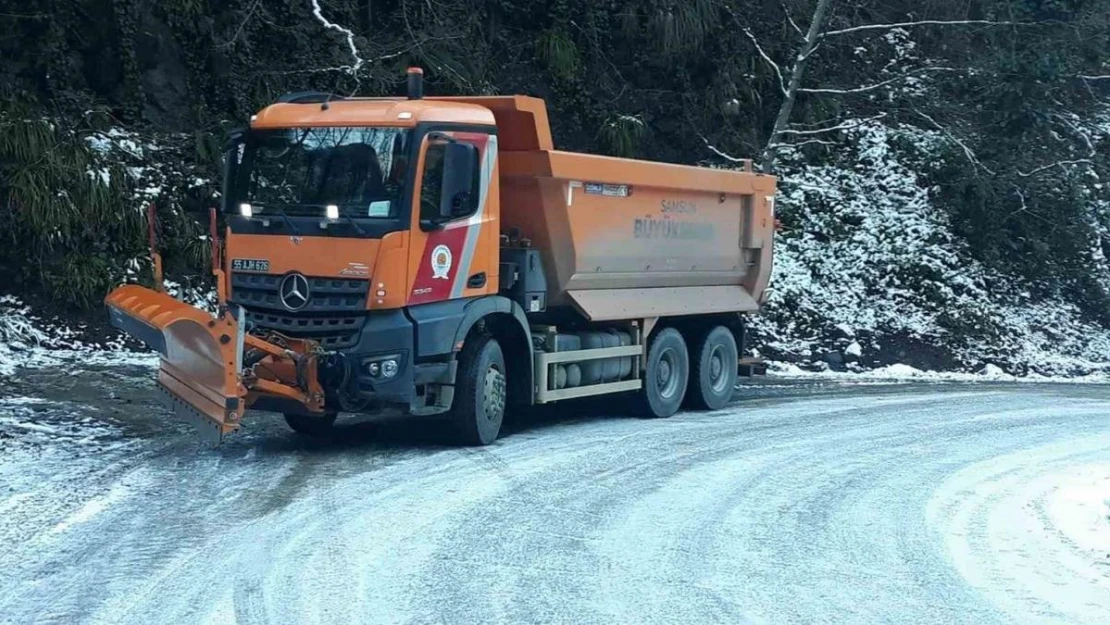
211 369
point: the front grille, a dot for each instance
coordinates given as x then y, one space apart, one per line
333 316
325 294
332 332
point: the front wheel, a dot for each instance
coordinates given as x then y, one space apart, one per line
666 374
478 409
314 426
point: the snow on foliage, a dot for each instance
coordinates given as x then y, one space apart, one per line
866 259
152 164
27 340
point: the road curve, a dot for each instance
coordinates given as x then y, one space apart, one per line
797 504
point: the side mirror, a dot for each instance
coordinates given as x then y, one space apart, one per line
231 168
234 137
460 161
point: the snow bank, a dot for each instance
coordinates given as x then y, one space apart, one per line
906 373
29 341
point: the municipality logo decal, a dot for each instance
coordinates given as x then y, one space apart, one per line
441 262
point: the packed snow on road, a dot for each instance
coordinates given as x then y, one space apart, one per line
807 500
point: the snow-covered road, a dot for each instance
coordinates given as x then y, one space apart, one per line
801 503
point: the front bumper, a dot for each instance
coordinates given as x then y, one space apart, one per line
386 335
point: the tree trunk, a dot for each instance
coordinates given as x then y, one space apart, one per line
767 162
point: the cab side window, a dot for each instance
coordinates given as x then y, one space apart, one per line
431 186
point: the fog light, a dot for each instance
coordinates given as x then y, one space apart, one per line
332 211
374 368
246 210
389 368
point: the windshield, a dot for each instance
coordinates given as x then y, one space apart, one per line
302 170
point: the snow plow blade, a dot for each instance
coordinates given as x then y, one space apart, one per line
201 356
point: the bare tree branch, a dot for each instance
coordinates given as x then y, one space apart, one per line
766 58
239 31
347 68
868 27
26 16
1091 152
780 146
1095 77
884 83
968 152
823 122
790 19
1060 164
848 125
347 32
976 162
727 157
815 48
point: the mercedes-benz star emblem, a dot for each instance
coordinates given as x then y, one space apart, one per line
294 291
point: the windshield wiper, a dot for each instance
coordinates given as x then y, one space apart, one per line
343 215
282 214
351 221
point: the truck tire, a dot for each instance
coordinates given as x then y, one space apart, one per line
666 374
314 426
715 369
478 409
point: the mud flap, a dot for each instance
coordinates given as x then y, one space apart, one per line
201 356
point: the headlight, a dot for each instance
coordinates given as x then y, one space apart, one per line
332 211
383 367
246 210
389 368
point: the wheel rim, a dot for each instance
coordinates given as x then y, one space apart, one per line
493 395
667 374
718 376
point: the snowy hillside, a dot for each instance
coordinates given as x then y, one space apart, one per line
868 272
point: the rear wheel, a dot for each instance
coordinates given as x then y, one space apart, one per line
313 426
715 369
666 374
478 409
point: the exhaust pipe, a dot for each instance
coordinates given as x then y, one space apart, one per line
416 83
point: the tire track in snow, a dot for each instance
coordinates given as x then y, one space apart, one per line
998 531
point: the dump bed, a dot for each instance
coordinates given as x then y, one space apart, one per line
625 239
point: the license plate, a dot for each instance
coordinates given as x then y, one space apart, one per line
250 264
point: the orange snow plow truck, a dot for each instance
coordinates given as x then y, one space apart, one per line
440 256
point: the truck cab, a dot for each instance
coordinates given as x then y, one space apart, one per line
370 226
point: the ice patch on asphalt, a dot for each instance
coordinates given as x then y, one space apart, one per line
33 421
93 507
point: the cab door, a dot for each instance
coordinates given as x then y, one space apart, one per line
453 253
